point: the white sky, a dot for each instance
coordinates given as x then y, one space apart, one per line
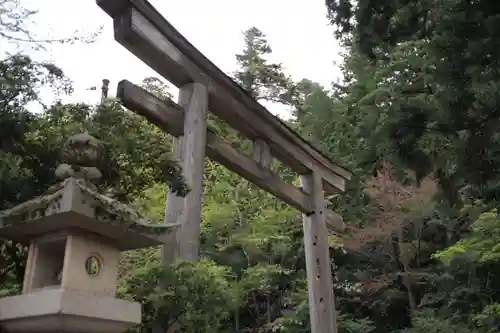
297 30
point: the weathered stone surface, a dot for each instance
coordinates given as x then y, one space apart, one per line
82 150
75 203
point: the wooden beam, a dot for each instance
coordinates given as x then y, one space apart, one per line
142 30
169 116
318 263
163 113
334 221
195 133
134 31
173 208
175 204
261 153
113 7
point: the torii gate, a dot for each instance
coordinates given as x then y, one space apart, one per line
140 28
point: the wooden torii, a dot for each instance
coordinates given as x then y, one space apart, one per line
203 87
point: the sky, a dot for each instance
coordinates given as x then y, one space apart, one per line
297 31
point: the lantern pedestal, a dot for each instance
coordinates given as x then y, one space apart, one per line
53 309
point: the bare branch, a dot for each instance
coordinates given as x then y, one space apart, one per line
15 20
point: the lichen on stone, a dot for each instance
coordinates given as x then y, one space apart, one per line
29 210
82 150
115 212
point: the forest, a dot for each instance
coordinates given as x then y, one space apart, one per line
413 117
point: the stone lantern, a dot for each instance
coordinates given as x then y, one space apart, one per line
75 236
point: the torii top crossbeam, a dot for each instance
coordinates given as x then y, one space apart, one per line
147 34
140 28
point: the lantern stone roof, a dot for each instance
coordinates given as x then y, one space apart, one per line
75 203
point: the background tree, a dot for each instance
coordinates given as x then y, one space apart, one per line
425 98
263 79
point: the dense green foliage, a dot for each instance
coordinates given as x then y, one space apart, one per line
414 117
